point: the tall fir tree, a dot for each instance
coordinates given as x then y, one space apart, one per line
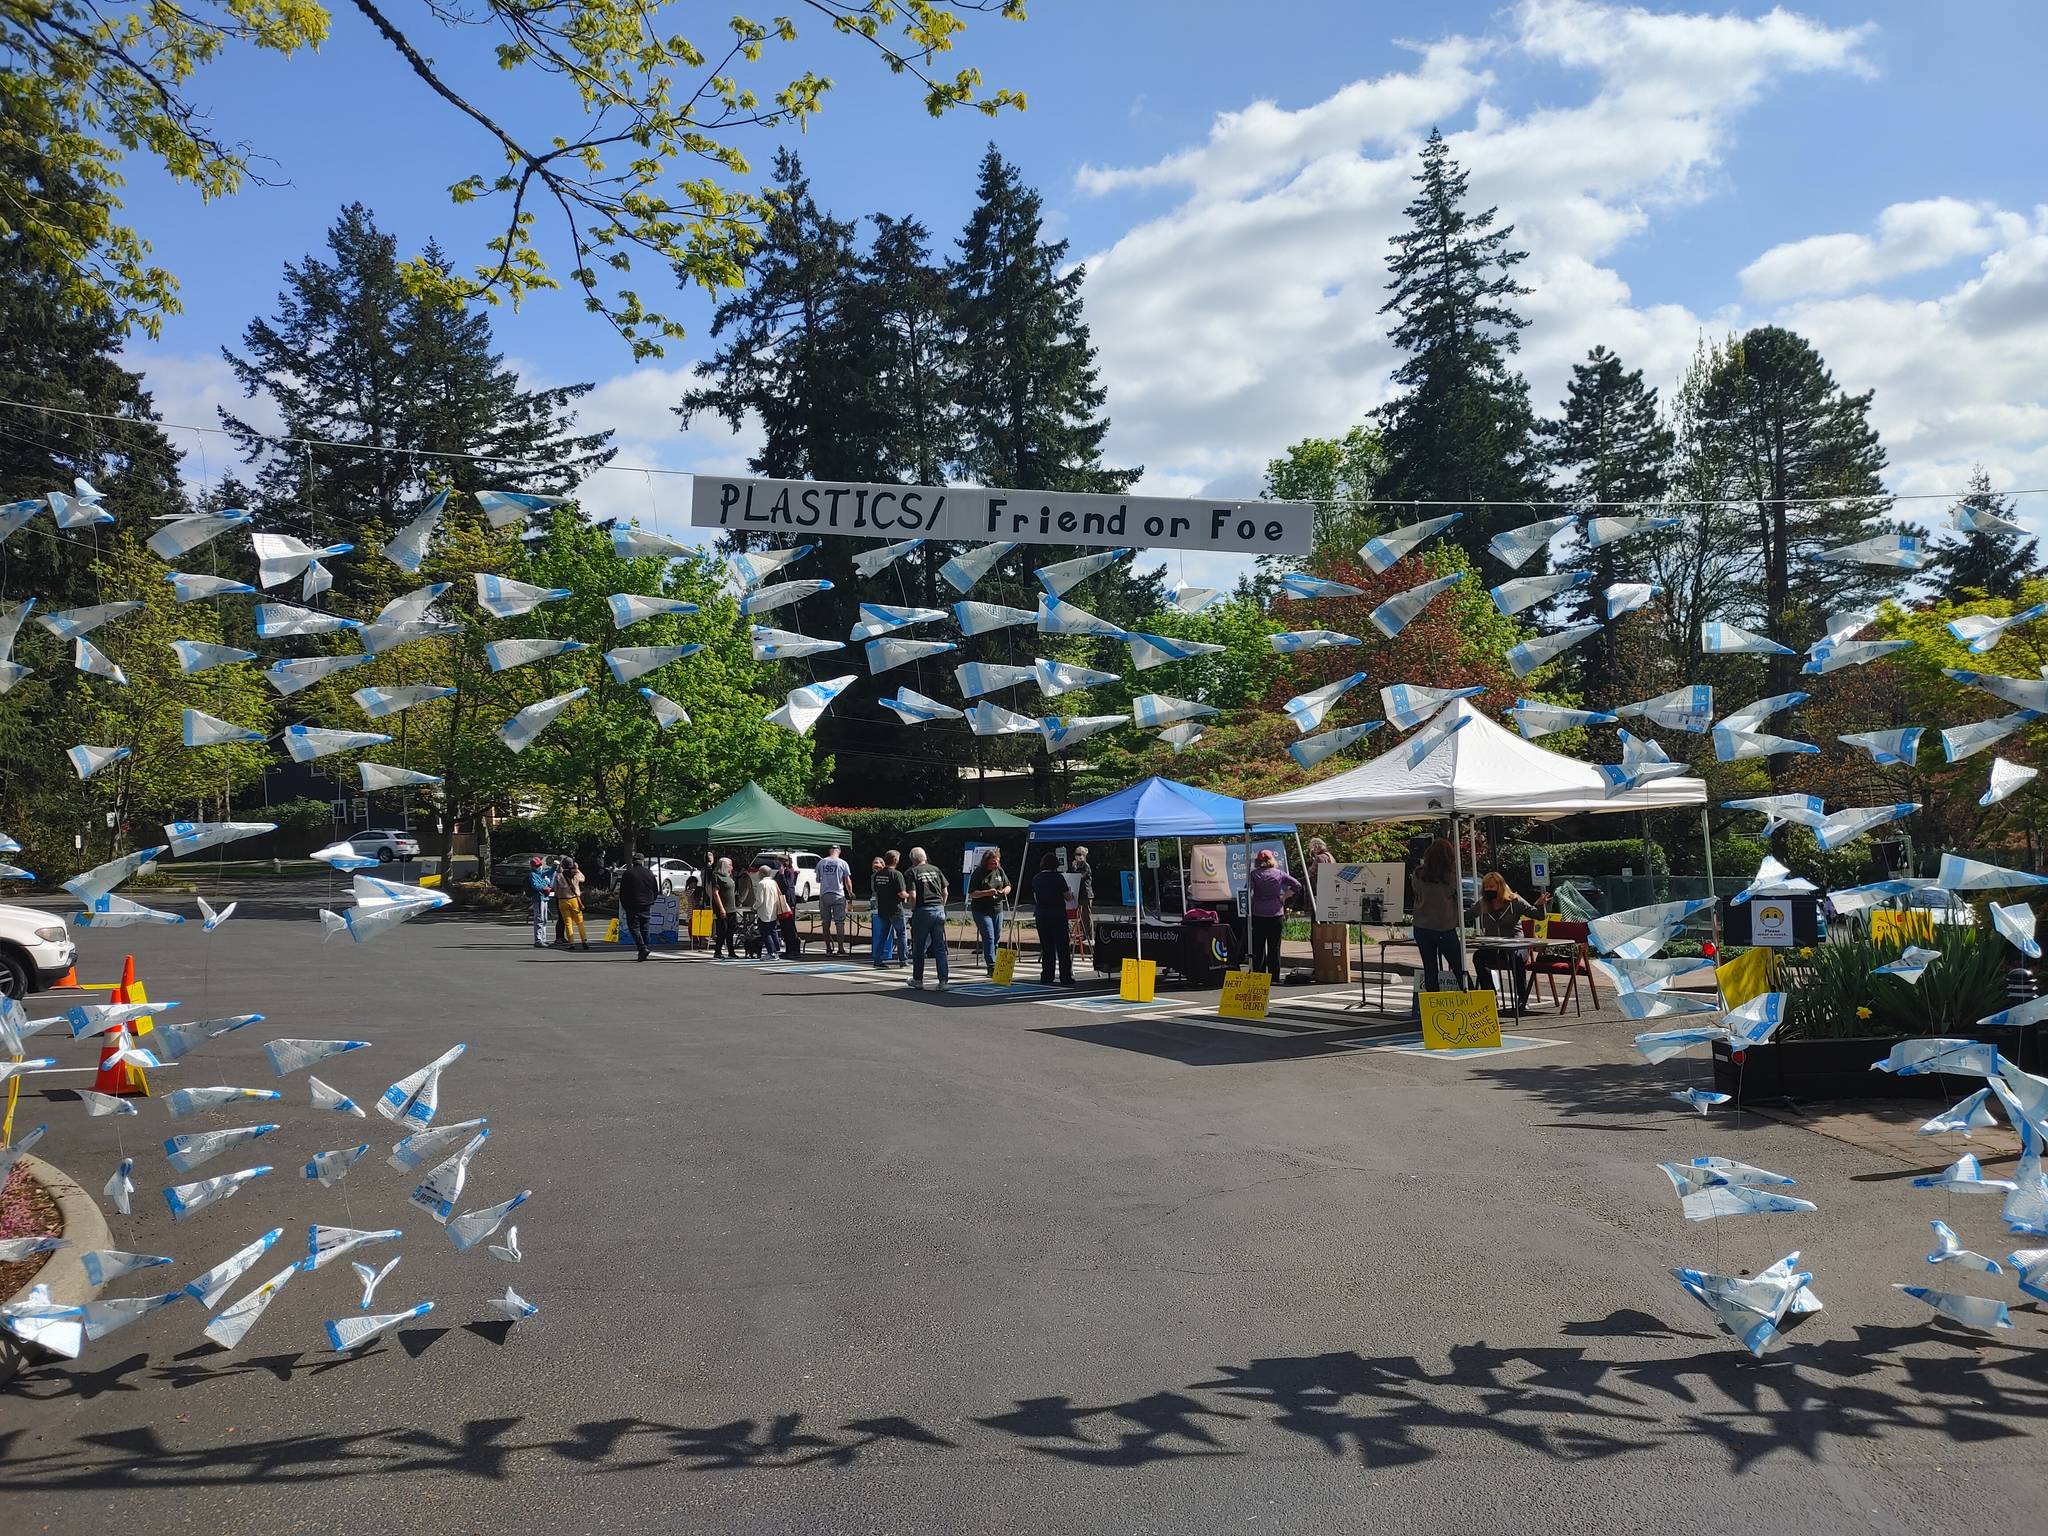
1986 564
1704 564
1030 411
1801 453
1609 446
100 423
350 357
1462 428
834 356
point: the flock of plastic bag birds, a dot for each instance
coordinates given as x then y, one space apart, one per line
1752 1308
437 1157
880 633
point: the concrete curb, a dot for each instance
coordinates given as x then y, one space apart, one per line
64 1271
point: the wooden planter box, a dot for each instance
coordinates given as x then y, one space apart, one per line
1840 1069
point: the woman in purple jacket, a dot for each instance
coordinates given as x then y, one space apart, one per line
1271 887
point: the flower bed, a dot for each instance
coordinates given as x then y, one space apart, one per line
1808 1070
26 1210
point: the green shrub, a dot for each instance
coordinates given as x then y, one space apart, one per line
1836 994
1603 856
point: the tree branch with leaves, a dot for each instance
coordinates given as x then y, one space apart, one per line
640 153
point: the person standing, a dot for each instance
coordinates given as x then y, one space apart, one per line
758 903
638 890
540 886
1271 887
892 945
986 889
784 871
928 892
835 880
725 911
1084 896
569 904
1049 914
1435 907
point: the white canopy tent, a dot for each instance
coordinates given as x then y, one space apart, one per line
1483 769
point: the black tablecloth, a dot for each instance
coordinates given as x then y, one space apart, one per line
1198 951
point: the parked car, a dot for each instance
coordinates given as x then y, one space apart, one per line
806 869
674 874
35 949
384 845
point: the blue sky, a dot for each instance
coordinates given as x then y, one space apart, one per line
1867 173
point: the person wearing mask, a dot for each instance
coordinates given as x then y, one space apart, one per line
569 904
540 888
725 911
1049 916
928 892
986 889
1498 913
835 881
784 871
1271 887
891 890
1435 905
638 891
1084 896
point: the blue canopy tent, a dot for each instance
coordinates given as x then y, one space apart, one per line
1151 808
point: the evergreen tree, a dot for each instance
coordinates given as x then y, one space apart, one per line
1029 392
1461 430
1030 402
1703 564
1609 446
1989 564
352 357
1802 454
55 354
839 359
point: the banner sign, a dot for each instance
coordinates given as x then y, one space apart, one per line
976 515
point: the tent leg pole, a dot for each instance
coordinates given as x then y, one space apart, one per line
1245 962
1458 896
1707 847
1138 911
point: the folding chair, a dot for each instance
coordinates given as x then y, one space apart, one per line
1572 966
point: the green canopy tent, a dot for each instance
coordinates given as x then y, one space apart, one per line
748 818
978 819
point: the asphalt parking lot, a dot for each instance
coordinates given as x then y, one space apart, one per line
815 1253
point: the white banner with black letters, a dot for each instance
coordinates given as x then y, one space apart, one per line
975 515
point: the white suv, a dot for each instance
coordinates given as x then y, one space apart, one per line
384 845
806 869
35 949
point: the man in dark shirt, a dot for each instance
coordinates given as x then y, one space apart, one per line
928 891
785 879
638 891
725 922
1049 912
886 893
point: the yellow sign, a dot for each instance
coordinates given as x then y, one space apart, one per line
1006 967
1460 1021
1540 928
611 931
1902 928
1139 978
700 923
1746 976
1245 994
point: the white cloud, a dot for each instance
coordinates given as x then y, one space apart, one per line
189 391
1911 237
1248 316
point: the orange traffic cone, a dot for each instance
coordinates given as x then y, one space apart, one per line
68 982
125 1081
